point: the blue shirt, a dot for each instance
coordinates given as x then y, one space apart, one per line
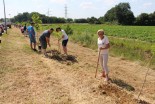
31 31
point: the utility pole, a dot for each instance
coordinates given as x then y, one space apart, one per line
48 13
10 15
5 16
66 11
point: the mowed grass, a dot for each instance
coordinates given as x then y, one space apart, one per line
130 42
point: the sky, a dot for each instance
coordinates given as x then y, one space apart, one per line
75 8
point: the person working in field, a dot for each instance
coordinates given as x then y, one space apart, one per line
64 39
0 31
45 39
22 29
25 28
31 33
103 47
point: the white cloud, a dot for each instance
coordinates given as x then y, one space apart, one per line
134 0
87 5
146 5
38 3
110 2
59 1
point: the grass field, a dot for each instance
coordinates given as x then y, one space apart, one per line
131 42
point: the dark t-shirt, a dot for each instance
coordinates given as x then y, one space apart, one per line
25 28
44 35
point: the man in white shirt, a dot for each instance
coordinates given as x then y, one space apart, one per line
64 39
103 47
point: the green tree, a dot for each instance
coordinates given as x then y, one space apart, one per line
69 20
81 20
152 19
120 14
93 20
145 19
26 17
110 16
142 19
36 19
101 19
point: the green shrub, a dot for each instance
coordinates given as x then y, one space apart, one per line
68 30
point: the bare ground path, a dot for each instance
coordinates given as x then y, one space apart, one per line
27 77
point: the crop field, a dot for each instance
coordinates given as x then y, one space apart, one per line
143 33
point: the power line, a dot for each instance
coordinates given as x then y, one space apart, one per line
48 13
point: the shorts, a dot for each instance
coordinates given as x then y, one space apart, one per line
43 44
32 40
64 42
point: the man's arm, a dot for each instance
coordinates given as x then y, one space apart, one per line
48 41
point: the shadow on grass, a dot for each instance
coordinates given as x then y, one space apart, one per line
142 102
38 52
56 55
122 84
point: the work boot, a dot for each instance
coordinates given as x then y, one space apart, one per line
35 50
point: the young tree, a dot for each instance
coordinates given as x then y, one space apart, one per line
69 30
36 19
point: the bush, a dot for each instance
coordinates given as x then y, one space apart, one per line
68 30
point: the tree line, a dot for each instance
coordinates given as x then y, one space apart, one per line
120 14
